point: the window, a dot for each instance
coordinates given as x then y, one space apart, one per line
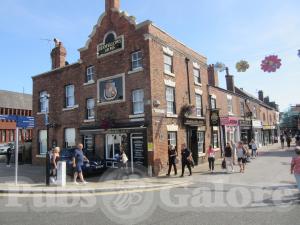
113 145
200 141
43 142
215 139
70 99
264 116
172 138
90 108
229 104
170 97
12 135
213 102
197 77
70 135
88 142
199 111
90 73
44 101
138 101
168 63
254 112
242 108
3 136
136 60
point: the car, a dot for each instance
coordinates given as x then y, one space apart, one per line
95 165
4 148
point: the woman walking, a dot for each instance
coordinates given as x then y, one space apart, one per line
242 155
211 158
253 148
54 160
295 166
185 159
288 140
282 141
229 157
172 153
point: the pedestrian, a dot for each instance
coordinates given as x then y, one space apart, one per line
211 158
228 157
78 160
53 163
253 148
123 158
288 141
8 156
233 146
186 159
295 166
242 155
298 140
172 155
282 141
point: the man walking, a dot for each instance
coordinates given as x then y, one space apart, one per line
185 159
172 153
78 160
282 141
8 156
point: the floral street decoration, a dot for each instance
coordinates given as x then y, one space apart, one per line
220 67
271 63
242 66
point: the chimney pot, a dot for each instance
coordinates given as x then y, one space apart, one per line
213 77
261 95
229 81
112 4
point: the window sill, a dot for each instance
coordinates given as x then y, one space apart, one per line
171 115
71 108
141 69
41 156
89 83
142 115
89 121
200 117
198 84
169 73
230 114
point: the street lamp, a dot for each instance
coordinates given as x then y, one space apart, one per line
47 124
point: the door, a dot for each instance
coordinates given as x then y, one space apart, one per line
137 152
193 143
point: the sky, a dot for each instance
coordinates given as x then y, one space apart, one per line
222 30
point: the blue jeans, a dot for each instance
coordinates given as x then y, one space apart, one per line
297 176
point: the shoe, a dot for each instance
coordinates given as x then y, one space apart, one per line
84 182
76 183
167 175
190 175
181 176
175 174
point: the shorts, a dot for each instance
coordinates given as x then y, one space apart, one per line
243 160
78 168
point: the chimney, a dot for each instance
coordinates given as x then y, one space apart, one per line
213 77
267 100
58 55
112 4
229 81
261 95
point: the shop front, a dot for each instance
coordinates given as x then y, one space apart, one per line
257 132
245 131
230 127
268 134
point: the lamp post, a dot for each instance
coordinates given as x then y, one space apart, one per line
46 120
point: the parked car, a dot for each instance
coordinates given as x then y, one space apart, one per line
3 148
93 167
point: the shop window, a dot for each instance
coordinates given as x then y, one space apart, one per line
113 145
43 142
200 141
44 101
138 101
88 142
168 63
90 73
197 77
70 98
172 138
70 136
170 97
215 139
136 60
90 108
199 108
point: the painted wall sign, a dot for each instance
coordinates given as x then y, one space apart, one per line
194 122
22 121
111 89
110 44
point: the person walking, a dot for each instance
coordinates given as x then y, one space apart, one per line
228 155
123 158
172 154
8 156
298 140
233 146
185 159
78 160
211 158
242 155
295 166
253 148
288 140
282 141
53 162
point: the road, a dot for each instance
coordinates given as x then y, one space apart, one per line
265 194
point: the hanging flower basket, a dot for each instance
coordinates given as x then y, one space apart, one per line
271 63
220 67
242 66
185 111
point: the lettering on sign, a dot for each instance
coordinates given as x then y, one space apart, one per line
110 44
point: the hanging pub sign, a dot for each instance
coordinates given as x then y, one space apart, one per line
111 89
214 118
110 44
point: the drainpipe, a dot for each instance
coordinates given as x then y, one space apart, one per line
188 78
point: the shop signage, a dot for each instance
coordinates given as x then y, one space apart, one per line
256 124
214 118
111 89
229 121
268 127
138 151
245 123
194 122
25 122
111 44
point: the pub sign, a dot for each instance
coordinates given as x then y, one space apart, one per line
111 90
214 118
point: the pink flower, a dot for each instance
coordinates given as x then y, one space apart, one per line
271 63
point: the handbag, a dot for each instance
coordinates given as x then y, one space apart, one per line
224 164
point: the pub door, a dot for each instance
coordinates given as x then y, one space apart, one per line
193 143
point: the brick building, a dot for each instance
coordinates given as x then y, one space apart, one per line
134 87
19 104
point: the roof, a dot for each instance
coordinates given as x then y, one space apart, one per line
14 100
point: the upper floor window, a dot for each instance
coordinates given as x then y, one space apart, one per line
213 102
168 63
170 97
70 136
199 111
197 78
138 101
44 101
90 73
136 60
70 98
90 108
229 104
242 108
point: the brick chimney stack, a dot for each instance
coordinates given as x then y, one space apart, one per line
213 77
58 55
112 4
261 95
229 81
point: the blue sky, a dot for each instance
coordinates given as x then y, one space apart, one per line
221 30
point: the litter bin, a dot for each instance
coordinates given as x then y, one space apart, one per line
61 174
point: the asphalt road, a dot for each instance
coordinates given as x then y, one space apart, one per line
264 194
